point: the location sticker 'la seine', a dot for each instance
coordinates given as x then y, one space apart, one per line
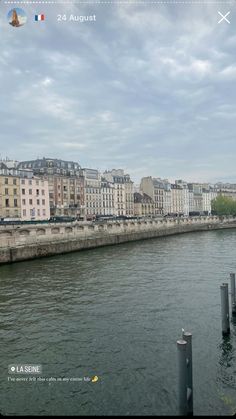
16 17
24 369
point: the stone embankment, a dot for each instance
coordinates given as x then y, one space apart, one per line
24 242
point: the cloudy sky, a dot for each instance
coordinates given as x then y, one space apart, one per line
149 88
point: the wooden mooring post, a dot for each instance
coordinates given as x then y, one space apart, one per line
185 375
225 309
232 291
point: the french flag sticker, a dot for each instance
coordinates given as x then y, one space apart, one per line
39 17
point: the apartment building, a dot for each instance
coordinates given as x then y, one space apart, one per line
65 184
10 206
185 195
92 198
155 188
107 197
124 191
34 195
143 205
177 199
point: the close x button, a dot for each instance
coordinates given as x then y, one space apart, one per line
224 17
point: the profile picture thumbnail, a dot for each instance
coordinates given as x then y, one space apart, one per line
16 17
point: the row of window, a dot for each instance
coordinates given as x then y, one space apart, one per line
65 196
14 181
92 198
31 202
33 213
7 191
30 182
31 192
9 213
7 203
15 202
93 204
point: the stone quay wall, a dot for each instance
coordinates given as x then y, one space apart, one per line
30 241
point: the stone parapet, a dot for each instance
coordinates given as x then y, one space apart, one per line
22 242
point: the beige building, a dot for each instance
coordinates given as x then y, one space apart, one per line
21 195
10 196
108 197
143 205
92 200
177 199
124 191
186 199
65 183
157 189
34 197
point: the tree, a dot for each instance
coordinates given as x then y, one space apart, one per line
223 205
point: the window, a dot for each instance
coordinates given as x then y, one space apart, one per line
15 191
31 201
24 212
7 203
22 181
6 181
23 202
23 191
14 181
43 201
30 191
38 202
37 191
43 192
6 191
15 202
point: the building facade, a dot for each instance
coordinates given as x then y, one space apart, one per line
22 196
107 198
10 197
158 190
92 199
65 184
124 191
143 205
34 195
177 199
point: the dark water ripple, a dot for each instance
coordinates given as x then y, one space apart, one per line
117 312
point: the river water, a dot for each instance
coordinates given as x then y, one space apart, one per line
116 312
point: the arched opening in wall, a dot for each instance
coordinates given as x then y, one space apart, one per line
41 232
5 234
55 230
68 230
24 232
